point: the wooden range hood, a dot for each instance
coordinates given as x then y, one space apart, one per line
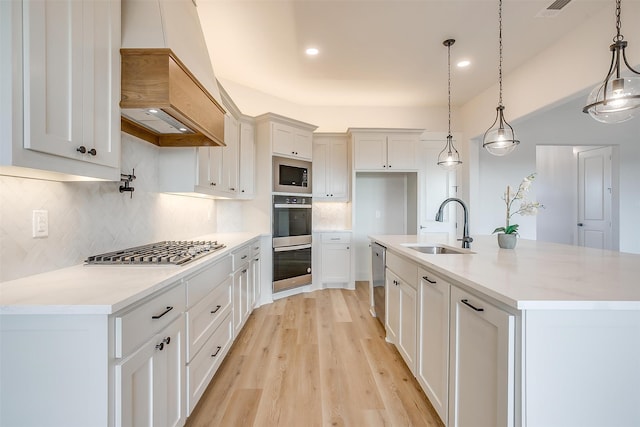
162 102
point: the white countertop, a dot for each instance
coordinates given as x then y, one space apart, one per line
102 289
534 275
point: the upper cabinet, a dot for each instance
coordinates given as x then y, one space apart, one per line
330 167
247 157
64 79
289 138
385 149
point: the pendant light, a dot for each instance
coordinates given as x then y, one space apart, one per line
500 139
449 158
617 99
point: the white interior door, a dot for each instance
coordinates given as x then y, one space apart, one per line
594 198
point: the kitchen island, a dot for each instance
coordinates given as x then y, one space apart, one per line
543 335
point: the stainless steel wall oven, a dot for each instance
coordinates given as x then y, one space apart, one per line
291 241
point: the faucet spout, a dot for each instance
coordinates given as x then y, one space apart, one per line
466 239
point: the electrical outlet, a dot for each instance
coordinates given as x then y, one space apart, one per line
40 223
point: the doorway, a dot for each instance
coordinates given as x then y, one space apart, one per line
577 185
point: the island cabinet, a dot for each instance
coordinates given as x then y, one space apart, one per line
63 88
385 149
432 370
330 167
482 363
209 325
401 307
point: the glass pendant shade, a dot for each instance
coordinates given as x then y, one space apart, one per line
449 158
617 98
500 139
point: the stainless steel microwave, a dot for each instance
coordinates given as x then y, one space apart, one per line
291 175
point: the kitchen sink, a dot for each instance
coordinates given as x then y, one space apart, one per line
437 249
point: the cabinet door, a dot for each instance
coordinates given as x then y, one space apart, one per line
240 298
134 389
338 166
255 276
336 263
401 152
481 388
392 306
433 347
230 155
321 169
247 159
169 403
303 144
282 137
370 152
72 79
407 332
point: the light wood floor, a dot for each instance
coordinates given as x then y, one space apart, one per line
315 359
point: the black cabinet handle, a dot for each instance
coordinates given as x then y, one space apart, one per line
218 307
167 340
243 257
93 152
466 302
160 346
217 351
157 316
244 271
429 280
580 224
82 149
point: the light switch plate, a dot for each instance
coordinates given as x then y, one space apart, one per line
40 223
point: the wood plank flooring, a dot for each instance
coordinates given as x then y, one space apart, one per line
315 359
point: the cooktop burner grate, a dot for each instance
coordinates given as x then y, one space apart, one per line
167 252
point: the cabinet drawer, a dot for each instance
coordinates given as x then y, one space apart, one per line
205 281
205 364
255 248
406 270
241 257
336 237
205 316
137 326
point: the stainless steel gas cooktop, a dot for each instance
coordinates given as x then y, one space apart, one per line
167 252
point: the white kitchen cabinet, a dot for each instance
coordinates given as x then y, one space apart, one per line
482 357
255 288
335 259
402 307
247 159
65 89
290 141
385 149
330 167
432 370
150 383
241 284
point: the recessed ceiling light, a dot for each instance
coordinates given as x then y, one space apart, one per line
464 63
152 110
312 51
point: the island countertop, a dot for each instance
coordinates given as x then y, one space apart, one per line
535 275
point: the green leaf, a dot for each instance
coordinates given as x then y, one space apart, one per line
498 230
512 229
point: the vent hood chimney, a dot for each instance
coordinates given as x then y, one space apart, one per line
169 95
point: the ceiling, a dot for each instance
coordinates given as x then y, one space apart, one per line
377 53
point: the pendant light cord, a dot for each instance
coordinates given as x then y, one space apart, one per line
500 50
449 84
618 21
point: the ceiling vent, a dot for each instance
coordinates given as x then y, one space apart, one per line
553 9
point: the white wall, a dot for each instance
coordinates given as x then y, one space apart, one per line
87 218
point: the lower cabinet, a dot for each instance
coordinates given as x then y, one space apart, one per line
401 310
255 288
149 384
335 259
241 285
482 358
432 370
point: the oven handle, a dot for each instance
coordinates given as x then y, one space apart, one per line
287 206
291 248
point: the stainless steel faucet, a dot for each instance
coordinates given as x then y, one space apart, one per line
466 240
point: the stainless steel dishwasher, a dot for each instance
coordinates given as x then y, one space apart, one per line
378 278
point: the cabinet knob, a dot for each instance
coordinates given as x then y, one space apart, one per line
167 340
82 149
160 346
213 184
93 152
232 189
384 166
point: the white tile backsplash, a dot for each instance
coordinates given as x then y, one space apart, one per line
87 218
331 216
